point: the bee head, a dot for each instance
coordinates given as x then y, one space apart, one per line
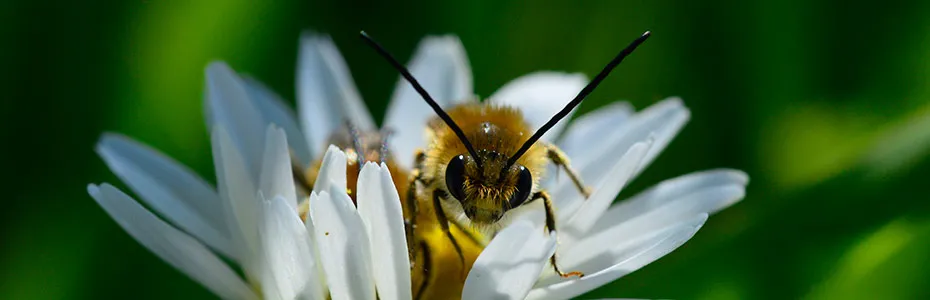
488 190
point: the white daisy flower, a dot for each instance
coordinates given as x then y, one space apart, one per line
238 221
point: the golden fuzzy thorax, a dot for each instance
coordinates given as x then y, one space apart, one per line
496 132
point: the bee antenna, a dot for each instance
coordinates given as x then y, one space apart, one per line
581 95
429 100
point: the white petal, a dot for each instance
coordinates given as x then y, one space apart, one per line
332 171
698 203
326 93
702 201
277 177
676 189
585 131
380 209
173 246
665 133
343 245
626 259
441 66
238 196
315 249
591 209
229 105
332 174
510 264
170 188
590 127
540 96
639 126
274 110
289 268
661 121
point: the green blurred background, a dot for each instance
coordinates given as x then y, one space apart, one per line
825 104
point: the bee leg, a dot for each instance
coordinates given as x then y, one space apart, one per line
410 222
444 224
356 144
561 160
427 264
550 226
383 152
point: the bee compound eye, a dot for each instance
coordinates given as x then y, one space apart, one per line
524 187
455 177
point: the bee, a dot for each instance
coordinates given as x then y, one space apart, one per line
483 161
